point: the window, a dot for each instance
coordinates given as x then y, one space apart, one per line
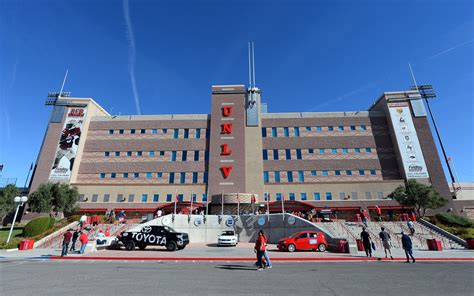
337 172
368 195
144 197
345 150
204 197
169 197
277 177
159 175
148 175
136 175
265 196
341 127
208 132
373 172
120 198
288 154
206 155
297 131
363 127
143 131
139 153
289 175
129 153
182 178
186 133
111 132
173 155
310 151
342 195
330 128
353 127
184 156
354 195
175 133
205 177
162 153
291 196
275 154
303 195
278 196
113 175
361 173
300 176
334 150
318 128
274 132
132 131
380 195
154 131
165 131
180 197
106 197
321 150
95 197
265 154
197 134
195 177
125 175
286 132
368 150
264 132
196 155
194 197
348 172
151 153
313 173
121 131
131 197
117 153
324 173
328 196
357 150
107 153
317 196
265 177
298 154
171 178
102 175
156 197
308 128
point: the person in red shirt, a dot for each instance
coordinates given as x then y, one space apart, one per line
379 213
260 247
84 240
66 241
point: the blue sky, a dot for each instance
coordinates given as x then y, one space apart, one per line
164 56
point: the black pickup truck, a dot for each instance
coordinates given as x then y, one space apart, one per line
155 236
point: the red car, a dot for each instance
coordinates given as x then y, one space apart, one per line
302 241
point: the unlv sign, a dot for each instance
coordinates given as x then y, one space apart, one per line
226 129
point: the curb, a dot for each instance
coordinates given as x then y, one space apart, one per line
250 259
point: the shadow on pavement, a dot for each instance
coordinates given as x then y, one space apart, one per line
235 267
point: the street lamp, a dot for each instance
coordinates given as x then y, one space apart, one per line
20 201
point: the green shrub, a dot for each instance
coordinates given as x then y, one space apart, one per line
14 243
73 218
454 220
38 226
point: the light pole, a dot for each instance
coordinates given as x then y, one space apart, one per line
20 201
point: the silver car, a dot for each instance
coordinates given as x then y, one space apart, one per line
227 238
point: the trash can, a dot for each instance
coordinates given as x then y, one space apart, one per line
431 244
31 244
360 245
24 244
343 246
470 243
438 246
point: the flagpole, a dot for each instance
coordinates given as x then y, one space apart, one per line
222 203
282 203
252 201
268 205
26 181
238 204
191 211
175 201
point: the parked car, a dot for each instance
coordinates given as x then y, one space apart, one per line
227 238
156 236
302 241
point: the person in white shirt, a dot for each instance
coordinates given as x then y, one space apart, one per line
411 226
83 220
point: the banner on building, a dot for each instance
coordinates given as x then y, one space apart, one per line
407 140
68 144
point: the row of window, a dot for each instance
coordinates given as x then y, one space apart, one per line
178 178
173 157
295 131
317 196
312 151
196 134
144 197
298 176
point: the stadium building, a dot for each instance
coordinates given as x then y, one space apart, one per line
240 157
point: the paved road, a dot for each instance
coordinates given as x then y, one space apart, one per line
19 277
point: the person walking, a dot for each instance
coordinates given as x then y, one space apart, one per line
411 226
66 241
408 247
83 220
265 253
365 236
84 240
75 235
385 237
260 249
363 216
379 213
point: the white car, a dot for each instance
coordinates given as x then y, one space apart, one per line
227 238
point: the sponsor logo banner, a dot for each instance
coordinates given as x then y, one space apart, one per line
68 144
407 140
